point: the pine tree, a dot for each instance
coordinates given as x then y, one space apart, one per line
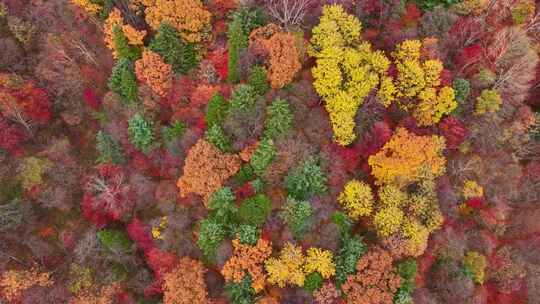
182 56
123 81
122 46
109 150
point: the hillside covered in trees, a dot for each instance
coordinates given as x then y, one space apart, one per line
269 151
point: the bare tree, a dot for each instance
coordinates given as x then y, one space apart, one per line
288 12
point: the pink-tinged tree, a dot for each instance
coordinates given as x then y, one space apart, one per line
107 196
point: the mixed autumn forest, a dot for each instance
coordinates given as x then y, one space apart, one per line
269 151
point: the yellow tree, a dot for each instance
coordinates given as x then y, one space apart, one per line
420 81
189 17
407 157
357 199
347 69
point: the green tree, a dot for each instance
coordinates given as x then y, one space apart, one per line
242 292
258 79
462 88
216 110
211 234
123 81
313 282
263 156
122 46
297 215
248 234
223 210
243 99
175 130
306 180
352 248
109 150
255 210
278 119
141 133
114 240
218 138
243 21
407 272
182 56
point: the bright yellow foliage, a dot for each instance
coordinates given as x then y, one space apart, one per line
391 196
321 261
347 69
489 101
356 199
432 107
472 189
417 237
432 71
476 263
158 229
189 17
405 158
419 80
288 268
387 91
408 50
388 220
88 6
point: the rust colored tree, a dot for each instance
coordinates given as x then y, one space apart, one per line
280 48
248 259
185 284
206 169
154 72
376 279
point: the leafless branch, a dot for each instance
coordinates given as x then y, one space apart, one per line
288 12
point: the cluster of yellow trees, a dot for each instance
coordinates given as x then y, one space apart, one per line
290 267
398 214
348 70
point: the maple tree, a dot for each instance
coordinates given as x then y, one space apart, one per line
376 280
403 158
189 17
206 169
22 101
183 287
107 196
283 55
245 260
153 71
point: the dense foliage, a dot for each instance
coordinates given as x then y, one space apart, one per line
269 151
